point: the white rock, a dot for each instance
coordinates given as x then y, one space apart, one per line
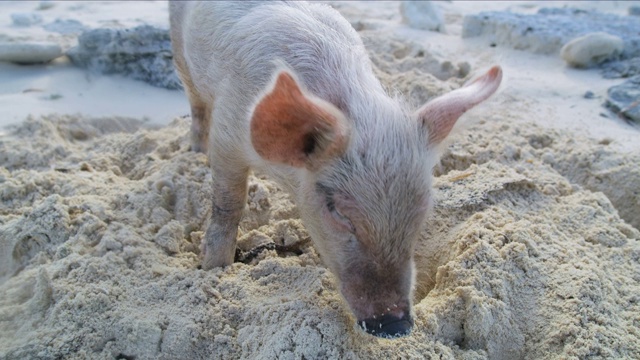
29 52
422 15
25 19
591 49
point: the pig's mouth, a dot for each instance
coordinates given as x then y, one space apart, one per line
390 321
387 325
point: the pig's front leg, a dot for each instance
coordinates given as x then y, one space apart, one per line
229 198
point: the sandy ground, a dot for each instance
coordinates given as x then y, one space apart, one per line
532 251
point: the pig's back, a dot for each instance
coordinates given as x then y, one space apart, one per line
235 44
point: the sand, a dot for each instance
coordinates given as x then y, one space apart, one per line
532 249
100 234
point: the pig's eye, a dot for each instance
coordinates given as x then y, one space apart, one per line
335 215
341 219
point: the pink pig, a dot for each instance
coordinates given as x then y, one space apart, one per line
287 89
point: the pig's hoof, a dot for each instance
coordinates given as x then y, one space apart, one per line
197 148
214 259
388 326
210 263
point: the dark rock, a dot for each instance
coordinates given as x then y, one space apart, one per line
621 69
548 30
142 53
624 99
589 95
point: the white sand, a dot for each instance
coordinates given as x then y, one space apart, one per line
64 89
533 249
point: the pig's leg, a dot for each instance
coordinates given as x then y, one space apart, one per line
200 108
200 115
200 123
228 200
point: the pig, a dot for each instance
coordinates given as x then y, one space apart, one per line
287 89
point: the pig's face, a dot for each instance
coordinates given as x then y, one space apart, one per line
364 186
364 213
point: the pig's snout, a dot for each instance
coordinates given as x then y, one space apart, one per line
388 325
383 310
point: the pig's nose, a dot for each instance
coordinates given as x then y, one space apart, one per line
388 325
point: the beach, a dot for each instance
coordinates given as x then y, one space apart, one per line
532 249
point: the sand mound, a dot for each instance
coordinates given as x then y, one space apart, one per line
100 224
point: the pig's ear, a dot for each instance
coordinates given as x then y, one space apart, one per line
293 128
440 114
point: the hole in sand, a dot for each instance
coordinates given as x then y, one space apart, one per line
434 250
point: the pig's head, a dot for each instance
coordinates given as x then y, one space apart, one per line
364 187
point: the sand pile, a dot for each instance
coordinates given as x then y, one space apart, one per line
101 219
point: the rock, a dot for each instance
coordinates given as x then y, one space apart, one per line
45 5
65 27
25 19
548 30
29 52
621 69
634 10
142 53
624 99
423 15
589 95
591 49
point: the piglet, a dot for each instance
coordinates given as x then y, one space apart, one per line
287 89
